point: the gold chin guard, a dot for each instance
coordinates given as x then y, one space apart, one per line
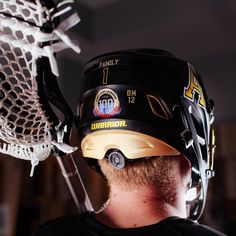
132 144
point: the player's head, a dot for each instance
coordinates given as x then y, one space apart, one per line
144 103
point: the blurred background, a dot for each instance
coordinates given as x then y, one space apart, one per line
202 32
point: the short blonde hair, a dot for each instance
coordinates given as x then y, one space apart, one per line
155 170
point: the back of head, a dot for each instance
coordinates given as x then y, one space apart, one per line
144 103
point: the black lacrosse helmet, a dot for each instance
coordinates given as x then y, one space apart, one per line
146 102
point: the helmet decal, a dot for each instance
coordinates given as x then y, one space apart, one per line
106 104
105 75
112 62
193 88
108 124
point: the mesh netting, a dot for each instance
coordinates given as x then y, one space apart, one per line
28 11
24 127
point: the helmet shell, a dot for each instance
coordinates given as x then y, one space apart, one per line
152 93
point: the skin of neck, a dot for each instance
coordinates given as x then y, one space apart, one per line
145 205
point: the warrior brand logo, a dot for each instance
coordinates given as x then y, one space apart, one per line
108 124
106 104
193 88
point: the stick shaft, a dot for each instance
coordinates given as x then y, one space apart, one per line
74 183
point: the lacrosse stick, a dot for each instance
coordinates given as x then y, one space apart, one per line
35 119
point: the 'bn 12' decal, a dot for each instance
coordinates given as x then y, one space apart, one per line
194 87
106 104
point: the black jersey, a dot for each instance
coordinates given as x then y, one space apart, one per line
86 225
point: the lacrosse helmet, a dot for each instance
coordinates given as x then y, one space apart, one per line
140 103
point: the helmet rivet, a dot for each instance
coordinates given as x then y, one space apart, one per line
117 159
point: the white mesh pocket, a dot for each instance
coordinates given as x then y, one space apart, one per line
24 127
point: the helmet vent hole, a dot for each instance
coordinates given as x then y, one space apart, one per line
201 136
198 127
157 107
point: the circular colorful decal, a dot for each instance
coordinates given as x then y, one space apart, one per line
106 103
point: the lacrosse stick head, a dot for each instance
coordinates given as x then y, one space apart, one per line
30 35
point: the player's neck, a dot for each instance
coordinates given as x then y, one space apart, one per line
139 207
